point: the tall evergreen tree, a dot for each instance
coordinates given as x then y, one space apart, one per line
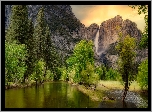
44 47
39 33
50 53
19 24
30 50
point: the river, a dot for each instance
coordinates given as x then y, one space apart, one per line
64 95
48 95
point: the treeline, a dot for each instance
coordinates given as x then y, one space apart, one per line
29 53
81 67
31 57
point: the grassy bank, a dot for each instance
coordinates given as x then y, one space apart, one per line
98 93
117 85
12 85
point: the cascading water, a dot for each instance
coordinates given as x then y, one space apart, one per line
96 41
101 51
97 44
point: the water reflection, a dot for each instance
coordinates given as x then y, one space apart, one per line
63 95
49 95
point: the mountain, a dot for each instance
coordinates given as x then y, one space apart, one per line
108 36
67 30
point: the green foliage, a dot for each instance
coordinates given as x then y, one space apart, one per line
49 76
43 47
39 70
39 34
88 75
64 74
15 56
99 71
30 50
83 53
126 49
112 74
19 24
143 9
142 76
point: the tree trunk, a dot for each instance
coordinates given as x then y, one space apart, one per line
126 85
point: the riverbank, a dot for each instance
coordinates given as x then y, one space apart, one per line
102 86
12 85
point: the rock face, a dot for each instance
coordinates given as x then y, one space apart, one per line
65 28
108 33
108 37
110 29
67 31
7 15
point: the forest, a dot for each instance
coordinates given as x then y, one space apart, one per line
32 59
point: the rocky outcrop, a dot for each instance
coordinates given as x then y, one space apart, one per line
91 31
110 29
66 29
108 33
108 37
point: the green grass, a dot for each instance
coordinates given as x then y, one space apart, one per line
103 85
95 95
117 85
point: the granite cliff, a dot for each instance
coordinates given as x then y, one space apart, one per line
108 36
67 30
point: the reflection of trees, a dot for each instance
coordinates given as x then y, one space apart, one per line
15 96
76 98
49 95
29 96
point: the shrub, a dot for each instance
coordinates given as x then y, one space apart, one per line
15 56
89 76
39 70
64 74
112 74
49 76
99 71
142 76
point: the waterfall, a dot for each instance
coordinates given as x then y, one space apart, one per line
96 41
97 44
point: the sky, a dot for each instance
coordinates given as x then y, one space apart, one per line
89 14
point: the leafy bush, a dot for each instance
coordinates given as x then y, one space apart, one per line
99 71
89 76
83 53
71 75
49 76
64 74
112 74
38 74
142 76
15 56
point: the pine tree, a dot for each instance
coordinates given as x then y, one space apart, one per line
30 50
51 56
39 33
19 24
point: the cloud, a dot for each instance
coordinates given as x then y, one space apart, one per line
89 14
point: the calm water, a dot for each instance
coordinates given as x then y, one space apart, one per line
63 95
48 95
